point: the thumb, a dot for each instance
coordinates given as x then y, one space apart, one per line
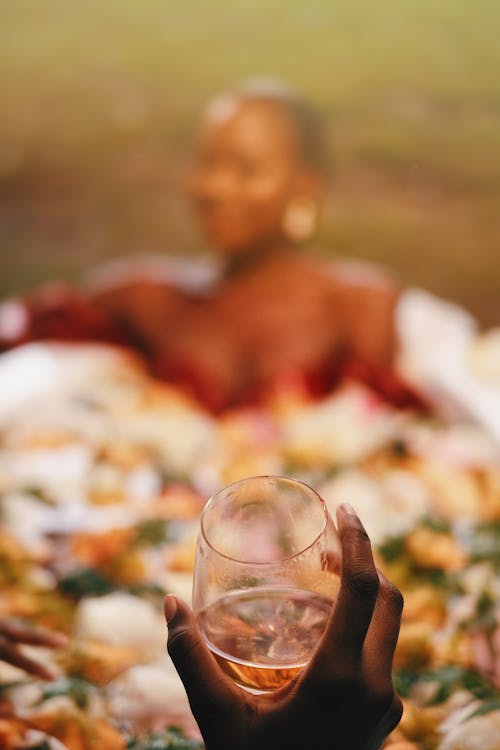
212 695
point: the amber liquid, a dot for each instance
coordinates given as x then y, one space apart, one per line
262 637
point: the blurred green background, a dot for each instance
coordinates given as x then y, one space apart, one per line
98 100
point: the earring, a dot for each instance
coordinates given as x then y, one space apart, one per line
300 219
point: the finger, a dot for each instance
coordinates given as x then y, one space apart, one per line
341 647
382 636
211 693
389 721
32 636
11 654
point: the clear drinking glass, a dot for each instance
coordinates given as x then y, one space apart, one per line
264 584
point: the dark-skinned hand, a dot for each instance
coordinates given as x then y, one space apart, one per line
343 699
13 635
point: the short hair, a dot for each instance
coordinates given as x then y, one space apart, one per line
306 121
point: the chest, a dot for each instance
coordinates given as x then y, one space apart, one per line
278 321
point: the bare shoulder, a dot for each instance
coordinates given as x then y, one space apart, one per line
366 297
185 274
359 273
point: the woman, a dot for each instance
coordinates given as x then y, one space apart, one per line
266 311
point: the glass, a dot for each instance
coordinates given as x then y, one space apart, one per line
264 582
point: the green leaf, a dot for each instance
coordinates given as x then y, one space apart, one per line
486 708
392 548
85 582
146 589
404 682
39 494
448 679
150 533
76 688
435 524
484 543
171 739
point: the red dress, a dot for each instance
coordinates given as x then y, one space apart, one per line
227 344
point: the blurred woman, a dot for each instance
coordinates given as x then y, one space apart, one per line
267 309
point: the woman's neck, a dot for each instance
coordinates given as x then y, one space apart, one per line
242 263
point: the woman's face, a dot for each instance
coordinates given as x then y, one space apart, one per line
245 172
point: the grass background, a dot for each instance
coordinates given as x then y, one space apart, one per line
98 99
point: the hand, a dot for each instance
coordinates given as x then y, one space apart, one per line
343 700
12 635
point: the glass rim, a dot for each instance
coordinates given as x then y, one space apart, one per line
264 476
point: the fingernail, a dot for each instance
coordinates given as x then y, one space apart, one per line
347 508
170 607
